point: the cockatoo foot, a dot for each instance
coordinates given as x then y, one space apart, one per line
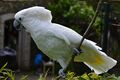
76 51
62 74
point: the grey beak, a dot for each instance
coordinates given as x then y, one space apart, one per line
16 25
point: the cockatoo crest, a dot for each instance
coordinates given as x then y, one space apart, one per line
35 12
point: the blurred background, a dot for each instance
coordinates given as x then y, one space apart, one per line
19 50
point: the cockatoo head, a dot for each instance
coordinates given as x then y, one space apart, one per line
30 14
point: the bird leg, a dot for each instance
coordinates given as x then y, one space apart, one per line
77 51
62 73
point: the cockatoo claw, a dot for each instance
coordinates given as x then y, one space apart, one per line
62 74
77 51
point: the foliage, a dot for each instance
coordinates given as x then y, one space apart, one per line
7 74
42 77
74 13
91 76
24 77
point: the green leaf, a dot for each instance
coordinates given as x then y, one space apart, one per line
94 76
85 76
3 67
24 77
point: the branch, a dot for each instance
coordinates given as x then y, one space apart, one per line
118 25
91 23
84 35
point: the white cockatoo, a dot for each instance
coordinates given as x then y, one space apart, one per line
59 42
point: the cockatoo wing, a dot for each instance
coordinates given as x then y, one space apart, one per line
94 58
55 45
64 52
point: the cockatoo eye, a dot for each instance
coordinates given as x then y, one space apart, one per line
20 19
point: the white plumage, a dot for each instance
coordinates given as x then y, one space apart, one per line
58 42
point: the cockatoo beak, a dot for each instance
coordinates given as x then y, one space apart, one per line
17 25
